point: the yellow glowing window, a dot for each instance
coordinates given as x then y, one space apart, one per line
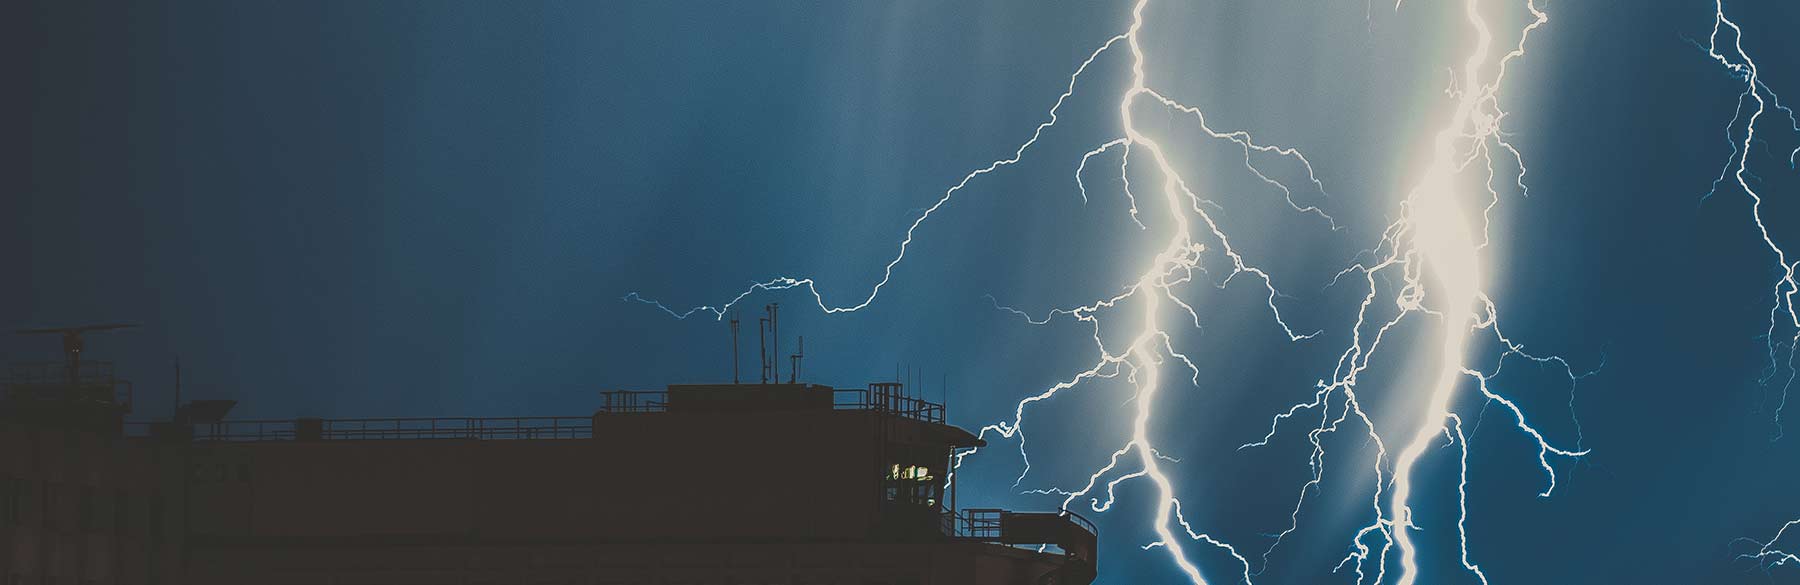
909 473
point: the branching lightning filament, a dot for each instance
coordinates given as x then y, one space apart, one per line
1752 104
1769 555
1432 253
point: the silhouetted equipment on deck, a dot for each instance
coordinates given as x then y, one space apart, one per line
207 414
769 328
76 392
762 347
799 353
72 342
1073 533
701 484
206 411
734 348
1068 531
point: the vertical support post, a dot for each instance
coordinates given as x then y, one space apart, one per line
794 368
734 347
775 334
951 476
762 346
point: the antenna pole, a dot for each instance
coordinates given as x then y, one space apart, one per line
775 335
762 346
794 372
734 347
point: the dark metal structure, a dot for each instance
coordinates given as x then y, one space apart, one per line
73 343
75 392
693 484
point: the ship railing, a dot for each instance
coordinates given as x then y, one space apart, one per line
859 399
497 428
1063 532
94 383
89 373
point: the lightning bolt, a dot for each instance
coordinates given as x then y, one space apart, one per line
1432 252
887 272
1757 97
1767 556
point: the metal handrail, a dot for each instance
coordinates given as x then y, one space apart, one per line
905 406
91 372
979 523
1083 522
620 401
985 523
858 399
495 428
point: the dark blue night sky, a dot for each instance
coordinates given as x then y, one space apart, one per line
435 208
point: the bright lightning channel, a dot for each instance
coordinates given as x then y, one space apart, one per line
1433 237
1757 95
1782 314
1768 555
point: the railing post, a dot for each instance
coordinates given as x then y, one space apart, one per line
309 429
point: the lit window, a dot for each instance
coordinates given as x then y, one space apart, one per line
916 473
909 473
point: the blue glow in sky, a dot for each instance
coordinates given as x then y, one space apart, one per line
434 208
